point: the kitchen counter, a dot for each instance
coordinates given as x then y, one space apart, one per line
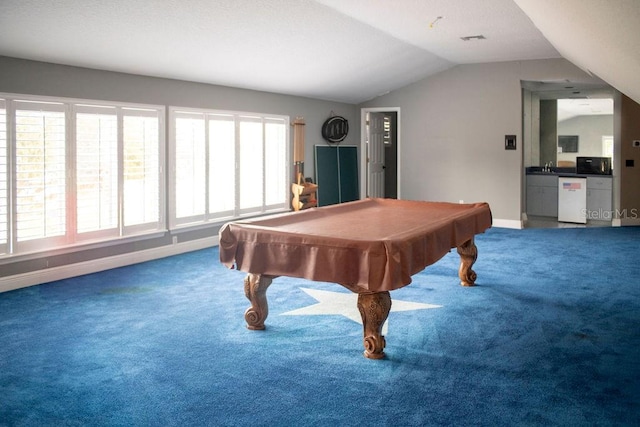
567 172
542 192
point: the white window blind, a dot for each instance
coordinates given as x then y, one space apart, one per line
190 168
226 164
141 165
40 170
76 171
4 189
222 165
275 161
96 170
251 164
607 146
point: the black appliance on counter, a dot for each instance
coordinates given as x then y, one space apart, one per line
593 165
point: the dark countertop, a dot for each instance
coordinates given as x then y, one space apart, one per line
555 171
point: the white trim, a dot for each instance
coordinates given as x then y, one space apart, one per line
93 266
236 118
508 223
364 179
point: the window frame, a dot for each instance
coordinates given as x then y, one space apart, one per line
103 233
166 195
72 107
237 211
29 245
5 192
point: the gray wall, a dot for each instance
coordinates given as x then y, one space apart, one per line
590 129
38 78
453 126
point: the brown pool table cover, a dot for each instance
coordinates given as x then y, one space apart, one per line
370 245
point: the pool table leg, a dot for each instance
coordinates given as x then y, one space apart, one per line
255 288
374 309
468 255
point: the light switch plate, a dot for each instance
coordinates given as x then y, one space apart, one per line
509 142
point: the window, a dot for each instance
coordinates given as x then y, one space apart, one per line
250 159
40 174
607 146
141 165
72 172
191 162
222 165
276 160
4 190
226 164
78 171
97 170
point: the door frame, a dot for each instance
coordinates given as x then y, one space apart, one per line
364 166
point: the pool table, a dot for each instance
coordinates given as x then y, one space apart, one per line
369 246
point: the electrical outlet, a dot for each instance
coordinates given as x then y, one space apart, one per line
636 143
175 240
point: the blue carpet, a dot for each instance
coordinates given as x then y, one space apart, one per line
550 336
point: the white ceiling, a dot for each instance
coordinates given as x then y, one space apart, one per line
569 108
343 50
601 37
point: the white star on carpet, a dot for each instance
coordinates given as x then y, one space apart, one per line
345 304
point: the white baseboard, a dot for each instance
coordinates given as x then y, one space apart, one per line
87 267
508 223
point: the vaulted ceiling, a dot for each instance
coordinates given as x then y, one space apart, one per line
342 50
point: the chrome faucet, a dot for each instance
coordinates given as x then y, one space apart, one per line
547 167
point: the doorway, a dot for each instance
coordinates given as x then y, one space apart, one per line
380 148
561 125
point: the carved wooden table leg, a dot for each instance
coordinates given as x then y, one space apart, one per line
374 309
255 288
468 255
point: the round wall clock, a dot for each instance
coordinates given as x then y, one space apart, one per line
335 129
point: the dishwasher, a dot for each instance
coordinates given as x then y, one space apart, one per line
572 199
